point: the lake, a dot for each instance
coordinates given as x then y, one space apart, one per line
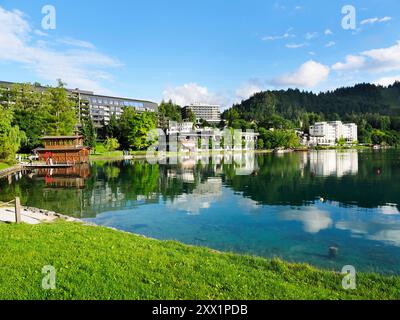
294 206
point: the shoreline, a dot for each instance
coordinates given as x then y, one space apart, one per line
49 217
156 154
160 269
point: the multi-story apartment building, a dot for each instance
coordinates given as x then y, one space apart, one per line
100 108
208 112
329 133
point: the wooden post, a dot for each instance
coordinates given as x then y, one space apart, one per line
17 210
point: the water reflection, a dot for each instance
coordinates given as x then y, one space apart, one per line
267 205
349 178
201 197
313 219
331 163
72 177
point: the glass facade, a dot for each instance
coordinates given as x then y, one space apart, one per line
102 108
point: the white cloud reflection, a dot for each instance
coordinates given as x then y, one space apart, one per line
313 219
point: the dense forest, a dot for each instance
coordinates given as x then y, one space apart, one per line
375 109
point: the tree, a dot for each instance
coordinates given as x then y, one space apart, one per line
169 111
41 112
30 113
378 137
111 144
231 115
341 142
88 131
135 128
260 144
279 139
61 118
112 128
188 115
11 137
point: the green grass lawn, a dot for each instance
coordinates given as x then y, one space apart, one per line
107 154
100 263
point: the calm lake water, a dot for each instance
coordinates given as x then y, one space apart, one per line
265 205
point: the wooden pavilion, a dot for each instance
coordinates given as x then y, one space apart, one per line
63 150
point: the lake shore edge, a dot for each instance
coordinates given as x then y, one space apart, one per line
268 278
139 155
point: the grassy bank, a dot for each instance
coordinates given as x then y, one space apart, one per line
99 263
107 155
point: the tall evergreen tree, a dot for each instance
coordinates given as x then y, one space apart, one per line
88 131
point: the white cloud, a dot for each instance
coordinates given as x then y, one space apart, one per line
248 205
310 35
385 19
387 81
328 32
295 45
310 74
78 68
40 33
351 63
384 59
313 219
76 43
192 93
375 20
369 21
330 44
373 230
375 60
247 90
389 209
286 35
202 197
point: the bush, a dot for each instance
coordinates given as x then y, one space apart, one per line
260 144
111 144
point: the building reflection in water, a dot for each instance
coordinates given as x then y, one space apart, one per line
72 177
331 162
201 197
210 190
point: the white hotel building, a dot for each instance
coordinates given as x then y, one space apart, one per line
329 133
208 112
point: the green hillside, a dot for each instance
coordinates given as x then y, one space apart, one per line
375 109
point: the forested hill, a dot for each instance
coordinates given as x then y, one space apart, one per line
332 105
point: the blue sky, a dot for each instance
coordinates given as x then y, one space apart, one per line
200 51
